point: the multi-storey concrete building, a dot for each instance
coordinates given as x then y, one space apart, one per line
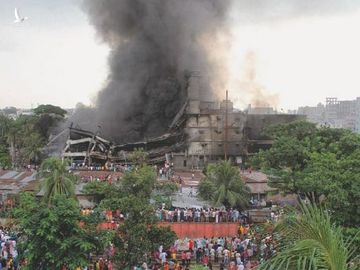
202 132
336 113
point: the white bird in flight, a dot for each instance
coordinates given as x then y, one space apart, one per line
19 19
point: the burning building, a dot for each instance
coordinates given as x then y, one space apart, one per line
151 100
200 133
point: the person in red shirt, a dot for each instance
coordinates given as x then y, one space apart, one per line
110 265
191 245
205 260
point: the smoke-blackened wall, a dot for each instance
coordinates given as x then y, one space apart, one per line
154 45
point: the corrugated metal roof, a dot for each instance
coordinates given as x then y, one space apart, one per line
254 176
9 175
15 181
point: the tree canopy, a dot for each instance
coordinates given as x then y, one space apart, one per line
56 180
139 157
223 186
320 163
23 139
51 235
311 241
49 109
139 234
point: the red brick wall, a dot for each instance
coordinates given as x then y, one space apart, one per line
201 229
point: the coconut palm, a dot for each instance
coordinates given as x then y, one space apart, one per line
228 187
311 242
34 147
56 179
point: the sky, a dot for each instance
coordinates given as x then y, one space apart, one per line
54 57
302 54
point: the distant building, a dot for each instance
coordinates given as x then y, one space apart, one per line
314 114
260 110
357 115
257 182
25 112
335 113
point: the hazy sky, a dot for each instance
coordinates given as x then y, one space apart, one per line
53 57
303 53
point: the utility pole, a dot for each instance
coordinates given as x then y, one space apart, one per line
226 127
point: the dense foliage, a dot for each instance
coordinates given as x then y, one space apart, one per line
23 138
311 241
223 186
51 235
139 234
56 179
319 163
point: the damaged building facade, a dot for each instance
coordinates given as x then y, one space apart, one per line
201 133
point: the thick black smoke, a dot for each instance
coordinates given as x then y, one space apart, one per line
154 44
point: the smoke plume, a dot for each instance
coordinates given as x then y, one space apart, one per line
254 92
155 44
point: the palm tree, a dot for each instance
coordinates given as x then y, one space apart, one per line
34 147
311 242
227 186
56 179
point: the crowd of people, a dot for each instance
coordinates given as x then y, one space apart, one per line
216 215
108 166
9 255
243 252
103 264
99 178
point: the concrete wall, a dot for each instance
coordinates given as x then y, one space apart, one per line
206 134
205 130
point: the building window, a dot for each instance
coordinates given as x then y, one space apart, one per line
185 163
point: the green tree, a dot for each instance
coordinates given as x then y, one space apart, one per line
139 234
223 184
321 164
139 182
101 190
47 118
51 234
139 157
311 241
23 140
56 179
160 236
49 109
26 136
163 193
5 160
206 190
33 148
